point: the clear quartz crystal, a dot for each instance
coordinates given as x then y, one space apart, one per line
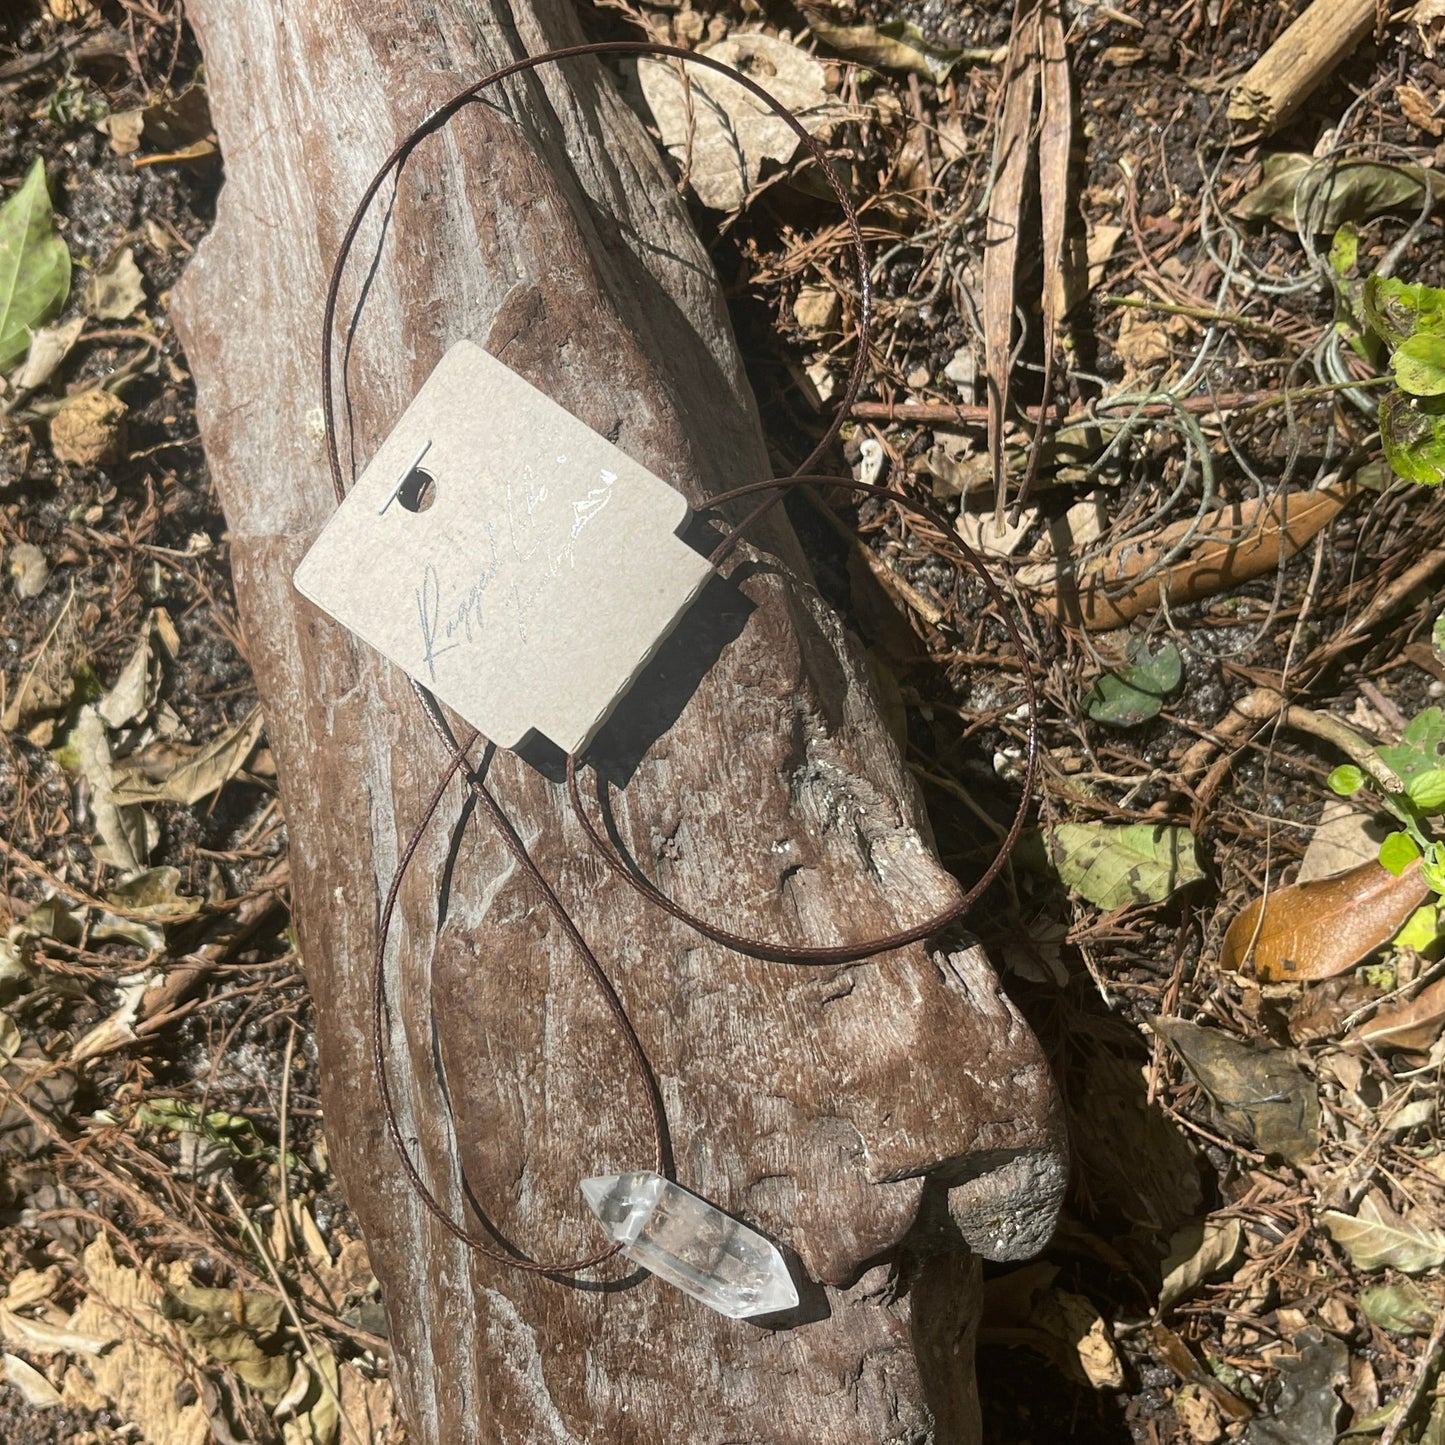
686 1241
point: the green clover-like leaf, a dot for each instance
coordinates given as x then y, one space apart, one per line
1345 780
1397 852
1427 790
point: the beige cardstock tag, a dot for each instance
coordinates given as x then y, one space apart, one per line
506 556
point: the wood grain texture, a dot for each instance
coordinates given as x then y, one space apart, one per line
874 1117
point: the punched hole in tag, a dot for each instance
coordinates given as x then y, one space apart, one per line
416 488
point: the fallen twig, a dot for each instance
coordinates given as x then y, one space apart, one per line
1305 55
1263 704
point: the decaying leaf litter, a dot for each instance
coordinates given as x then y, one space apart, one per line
1141 358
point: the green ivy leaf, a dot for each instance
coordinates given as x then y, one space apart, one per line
1345 249
1301 190
34 265
1421 748
1113 866
1437 635
1397 852
1432 867
1346 779
1398 310
1427 790
1419 365
1413 432
1136 691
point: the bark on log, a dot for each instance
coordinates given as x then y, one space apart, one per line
876 1117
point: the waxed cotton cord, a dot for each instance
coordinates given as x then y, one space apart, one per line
768 495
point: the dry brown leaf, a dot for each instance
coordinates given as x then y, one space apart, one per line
721 134
139 1377
1312 931
1429 20
818 309
28 1334
1414 1025
1343 839
204 772
1243 540
1056 134
30 1286
89 430
1258 1091
39 1393
1036 123
117 290
370 1407
181 125
1199 1251
1416 108
48 349
1103 240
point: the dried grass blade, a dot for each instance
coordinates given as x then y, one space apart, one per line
1056 125
1001 236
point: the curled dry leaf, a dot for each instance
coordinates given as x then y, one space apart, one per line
1035 125
48 349
1197 1253
29 569
143 1371
89 430
204 772
894 45
180 126
1026 1308
1312 931
117 290
721 134
1237 542
1260 1093
1302 191
28 1334
1308 1407
1414 1025
1376 1237
39 1393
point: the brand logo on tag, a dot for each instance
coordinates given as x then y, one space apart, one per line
506 556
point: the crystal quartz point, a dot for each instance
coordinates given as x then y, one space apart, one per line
684 1240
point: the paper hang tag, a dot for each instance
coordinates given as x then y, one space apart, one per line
506 556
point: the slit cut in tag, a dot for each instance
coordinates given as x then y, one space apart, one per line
506 556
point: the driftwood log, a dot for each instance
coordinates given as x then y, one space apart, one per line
882 1119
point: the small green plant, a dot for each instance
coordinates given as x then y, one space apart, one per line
74 103
1409 321
1418 761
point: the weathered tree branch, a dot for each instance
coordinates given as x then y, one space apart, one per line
842 1110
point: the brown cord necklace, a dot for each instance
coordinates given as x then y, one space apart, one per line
764 496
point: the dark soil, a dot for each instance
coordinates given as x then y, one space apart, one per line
1151 159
